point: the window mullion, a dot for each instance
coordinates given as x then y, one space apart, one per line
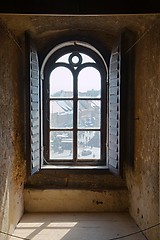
75 99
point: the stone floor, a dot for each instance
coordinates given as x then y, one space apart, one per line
77 226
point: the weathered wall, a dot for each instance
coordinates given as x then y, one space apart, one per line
143 181
11 160
75 200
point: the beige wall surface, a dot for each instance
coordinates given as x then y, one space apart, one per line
143 181
11 160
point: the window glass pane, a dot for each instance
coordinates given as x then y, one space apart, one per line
89 145
61 145
64 58
89 114
61 114
61 83
89 83
85 58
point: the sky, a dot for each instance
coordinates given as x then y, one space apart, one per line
61 79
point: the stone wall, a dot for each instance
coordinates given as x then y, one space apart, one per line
143 180
11 154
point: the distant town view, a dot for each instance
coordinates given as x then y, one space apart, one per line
62 114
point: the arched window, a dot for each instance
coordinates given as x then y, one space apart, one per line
75 105
80 110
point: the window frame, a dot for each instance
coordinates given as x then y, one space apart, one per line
46 69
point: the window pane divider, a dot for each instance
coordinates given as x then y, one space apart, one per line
61 98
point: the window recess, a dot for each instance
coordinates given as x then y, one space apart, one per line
85 102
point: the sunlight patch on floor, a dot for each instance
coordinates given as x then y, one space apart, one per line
76 226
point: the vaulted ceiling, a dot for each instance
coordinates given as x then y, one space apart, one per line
46 26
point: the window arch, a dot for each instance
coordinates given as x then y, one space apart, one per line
75 99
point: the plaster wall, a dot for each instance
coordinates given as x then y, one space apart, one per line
143 180
75 200
11 160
